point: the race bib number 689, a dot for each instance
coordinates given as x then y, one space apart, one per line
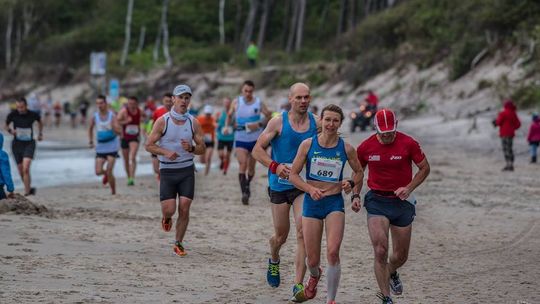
326 170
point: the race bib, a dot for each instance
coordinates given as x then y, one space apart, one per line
227 130
326 170
132 129
252 124
207 138
24 134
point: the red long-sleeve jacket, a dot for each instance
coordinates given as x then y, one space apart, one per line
507 120
534 131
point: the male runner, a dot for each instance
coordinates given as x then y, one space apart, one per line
176 132
23 145
249 126
225 141
208 126
390 204
129 118
284 133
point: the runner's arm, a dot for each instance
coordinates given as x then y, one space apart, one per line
421 175
116 126
232 109
358 172
267 114
40 129
8 122
122 116
154 137
91 133
271 131
298 164
198 137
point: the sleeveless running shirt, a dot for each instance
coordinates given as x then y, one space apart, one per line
246 114
326 164
284 148
132 129
172 140
107 141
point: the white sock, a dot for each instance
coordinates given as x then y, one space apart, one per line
333 274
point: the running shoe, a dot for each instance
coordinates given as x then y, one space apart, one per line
105 179
395 284
311 286
331 302
245 198
298 293
131 182
179 249
385 299
32 191
166 224
272 275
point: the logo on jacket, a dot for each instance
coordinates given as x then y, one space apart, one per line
374 158
395 157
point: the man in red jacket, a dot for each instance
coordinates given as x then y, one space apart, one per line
508 122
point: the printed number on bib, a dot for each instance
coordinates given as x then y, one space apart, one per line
326 170
132 129
24 134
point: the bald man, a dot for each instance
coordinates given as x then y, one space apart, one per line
285 132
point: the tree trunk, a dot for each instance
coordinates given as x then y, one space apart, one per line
250 23
222 22
128 33
353 11
300 25
238 25
322 20
367 7
142 36
155 52
286 21
342 17
165 29
9 30
29 18
292 28
267 4
17 49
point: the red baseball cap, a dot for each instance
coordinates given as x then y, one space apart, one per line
385 121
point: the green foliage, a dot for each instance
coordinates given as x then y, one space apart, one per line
527 96
462 56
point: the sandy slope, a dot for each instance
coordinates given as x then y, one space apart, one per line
475 238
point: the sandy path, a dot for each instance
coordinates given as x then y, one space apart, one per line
476 239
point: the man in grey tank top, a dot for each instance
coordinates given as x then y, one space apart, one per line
180 137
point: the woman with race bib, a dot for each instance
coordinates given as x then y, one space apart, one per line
324 156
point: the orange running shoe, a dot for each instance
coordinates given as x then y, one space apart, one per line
179 249
166 224
311 287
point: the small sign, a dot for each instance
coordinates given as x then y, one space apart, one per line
98 63
114 89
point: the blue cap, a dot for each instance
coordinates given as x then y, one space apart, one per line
181 89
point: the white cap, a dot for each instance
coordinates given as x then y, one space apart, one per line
181 89
208 109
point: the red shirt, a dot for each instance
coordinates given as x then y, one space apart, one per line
159 112
132 129
390 166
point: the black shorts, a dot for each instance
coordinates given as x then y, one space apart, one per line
399 212
124 143
281 197
22 149
176 182
209 144
154 155
105 155
221 144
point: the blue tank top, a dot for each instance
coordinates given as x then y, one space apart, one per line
284 148
221 125
325 164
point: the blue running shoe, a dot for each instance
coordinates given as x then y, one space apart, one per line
395 284
272 275
385 299
298 294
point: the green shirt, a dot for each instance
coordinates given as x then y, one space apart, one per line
252 52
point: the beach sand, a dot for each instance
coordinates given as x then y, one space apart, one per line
475 237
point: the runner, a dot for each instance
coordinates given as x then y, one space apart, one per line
176 131
208 125
249 122
166 107
129 118
284 133
23 145
389 203
225 141
5 173
107 131
324 156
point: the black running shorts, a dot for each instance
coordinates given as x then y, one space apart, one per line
176 182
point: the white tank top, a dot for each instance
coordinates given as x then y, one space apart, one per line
246 114
171 139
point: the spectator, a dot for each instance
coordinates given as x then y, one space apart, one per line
252 53
508 122
372 99
534 136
